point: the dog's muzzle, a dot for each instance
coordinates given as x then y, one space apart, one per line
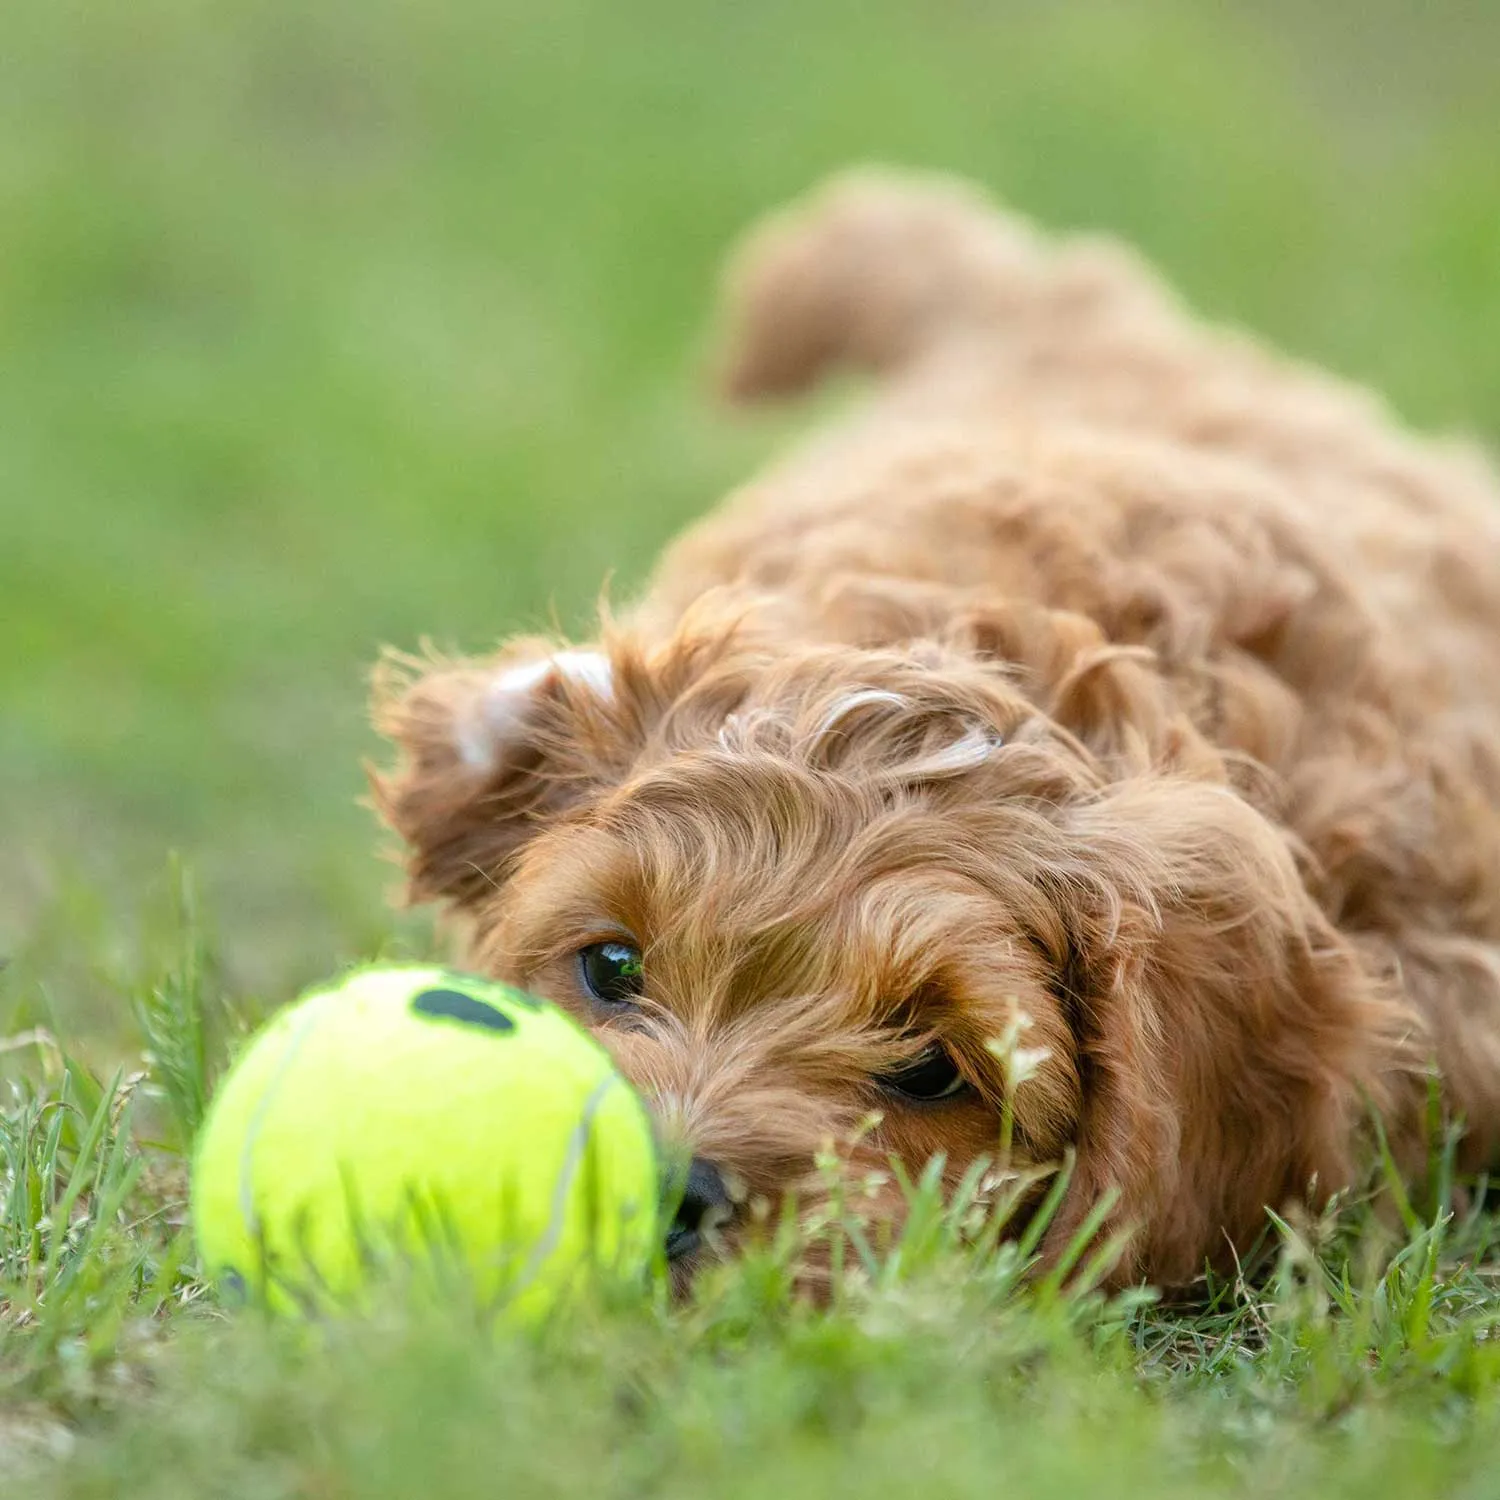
705 1204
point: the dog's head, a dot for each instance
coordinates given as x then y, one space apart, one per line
805 892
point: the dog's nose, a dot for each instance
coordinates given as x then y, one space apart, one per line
705 1203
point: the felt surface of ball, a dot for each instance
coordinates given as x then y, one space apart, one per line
434 1119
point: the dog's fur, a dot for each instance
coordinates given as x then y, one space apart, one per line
1100 670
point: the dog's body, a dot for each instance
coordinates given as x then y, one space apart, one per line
1101 676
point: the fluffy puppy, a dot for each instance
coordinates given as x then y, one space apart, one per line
1103 683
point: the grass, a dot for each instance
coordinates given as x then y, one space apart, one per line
1365 1355
327 326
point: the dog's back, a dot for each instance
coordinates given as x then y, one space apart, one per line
1056 457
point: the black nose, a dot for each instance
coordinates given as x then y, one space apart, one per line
705 1203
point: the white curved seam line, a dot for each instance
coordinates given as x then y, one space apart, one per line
577 1144
258 1119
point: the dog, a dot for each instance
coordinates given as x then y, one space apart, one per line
1100 682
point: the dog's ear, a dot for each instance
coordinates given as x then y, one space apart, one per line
1230 1042
491 751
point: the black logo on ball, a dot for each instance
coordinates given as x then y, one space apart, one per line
454 1005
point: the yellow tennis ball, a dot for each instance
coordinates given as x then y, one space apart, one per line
432 1119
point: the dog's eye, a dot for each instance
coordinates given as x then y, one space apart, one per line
611 972
931 1074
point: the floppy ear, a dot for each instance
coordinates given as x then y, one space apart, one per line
1230 1041
489 751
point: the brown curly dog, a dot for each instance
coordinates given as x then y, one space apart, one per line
1103 684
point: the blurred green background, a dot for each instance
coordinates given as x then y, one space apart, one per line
333 324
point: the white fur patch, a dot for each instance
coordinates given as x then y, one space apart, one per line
590 668
768 730
856 701
498 716
965 754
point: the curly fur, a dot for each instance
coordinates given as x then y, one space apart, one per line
1100 669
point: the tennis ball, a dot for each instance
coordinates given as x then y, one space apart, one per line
431 1119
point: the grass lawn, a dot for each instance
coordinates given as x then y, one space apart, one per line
323 326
